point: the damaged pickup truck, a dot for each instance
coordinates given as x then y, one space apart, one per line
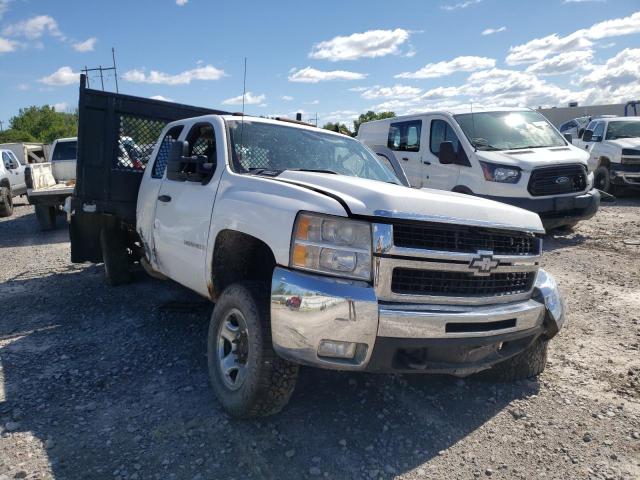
310 248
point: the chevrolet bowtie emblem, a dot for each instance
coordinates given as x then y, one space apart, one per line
484 263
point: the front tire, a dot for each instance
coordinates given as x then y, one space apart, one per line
247 376
46 217
6 202
602 179
115 255
526 364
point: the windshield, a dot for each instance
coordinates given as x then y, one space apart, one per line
258 147
623 129
508 130
65 151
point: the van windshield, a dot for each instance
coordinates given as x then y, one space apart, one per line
508 130
264 147
623 129
65 151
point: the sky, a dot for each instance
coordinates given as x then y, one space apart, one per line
330 59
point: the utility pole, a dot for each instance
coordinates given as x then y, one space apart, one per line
1 126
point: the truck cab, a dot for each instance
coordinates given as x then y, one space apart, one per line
311 249
613 145
62 157
513 156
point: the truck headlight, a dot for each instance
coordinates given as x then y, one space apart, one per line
332 245
500 173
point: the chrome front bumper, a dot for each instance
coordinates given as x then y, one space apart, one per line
307 309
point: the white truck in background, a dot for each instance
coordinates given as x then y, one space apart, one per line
613 144
311 249
50 184
12 181
509 155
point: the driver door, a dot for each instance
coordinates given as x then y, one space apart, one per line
15 172
183 215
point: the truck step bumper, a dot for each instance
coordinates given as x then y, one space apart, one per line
339 324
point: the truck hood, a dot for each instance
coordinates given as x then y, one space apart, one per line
625 142
530 158
379 199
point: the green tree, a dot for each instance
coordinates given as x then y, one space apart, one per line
369 116
338 127
44 124
15 136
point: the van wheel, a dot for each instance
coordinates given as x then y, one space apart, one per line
115 255
247 376
6 202
527 364
46 216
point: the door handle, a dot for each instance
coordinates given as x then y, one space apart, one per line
164 198
427 162
405 159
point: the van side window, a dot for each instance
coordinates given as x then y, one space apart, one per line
441 131
160 164
405 136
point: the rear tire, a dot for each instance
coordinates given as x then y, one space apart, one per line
115 255
527 364
6 202
247 376
46 216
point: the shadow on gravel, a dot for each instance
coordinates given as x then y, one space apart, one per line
23 230
114 383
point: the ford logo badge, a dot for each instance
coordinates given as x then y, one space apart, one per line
562 180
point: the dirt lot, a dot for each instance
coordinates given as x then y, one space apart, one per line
99 382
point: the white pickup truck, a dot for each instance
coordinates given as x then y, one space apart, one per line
613 144
509 155
311 250
50 184
12 181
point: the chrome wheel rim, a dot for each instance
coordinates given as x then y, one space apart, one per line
233 349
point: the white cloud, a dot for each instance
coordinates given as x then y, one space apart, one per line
249 99
460 5
86 46
7 45
181 3
617 72
583 1
441 69
286 98
396 91
312 75
370 44
208 72
563 63
23 87
62 76
35 28
491 31
60 107
4 6
540 48
160 97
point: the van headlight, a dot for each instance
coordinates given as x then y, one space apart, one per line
494 172
332 245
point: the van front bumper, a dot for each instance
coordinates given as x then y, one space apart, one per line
558 211
310 311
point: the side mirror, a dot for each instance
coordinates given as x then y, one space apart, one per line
587 135
197 168
568 137
447 154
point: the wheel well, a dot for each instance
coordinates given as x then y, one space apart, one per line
5 183
604 162
238 256
462 189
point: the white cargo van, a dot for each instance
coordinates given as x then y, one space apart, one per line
510 155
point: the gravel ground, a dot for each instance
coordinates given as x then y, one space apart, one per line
99 382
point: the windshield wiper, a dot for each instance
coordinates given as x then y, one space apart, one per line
264 171
535 146
312 170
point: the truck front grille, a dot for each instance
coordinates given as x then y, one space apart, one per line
455 238
407 281
557 180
